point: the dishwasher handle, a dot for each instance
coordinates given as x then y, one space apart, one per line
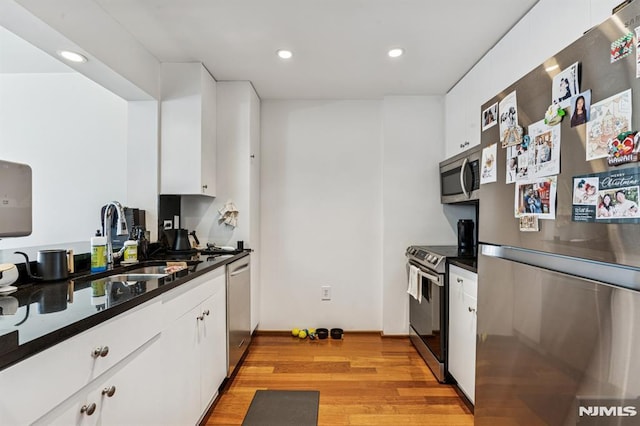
239 271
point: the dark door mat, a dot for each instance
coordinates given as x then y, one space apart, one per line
283 408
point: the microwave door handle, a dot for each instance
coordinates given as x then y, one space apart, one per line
464 165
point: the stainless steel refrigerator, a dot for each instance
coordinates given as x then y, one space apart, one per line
558 331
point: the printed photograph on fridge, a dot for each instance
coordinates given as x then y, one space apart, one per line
618 203
536 197
585 190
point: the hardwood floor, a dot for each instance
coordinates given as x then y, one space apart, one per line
364 379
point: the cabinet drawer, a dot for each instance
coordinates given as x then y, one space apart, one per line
37 384
182 299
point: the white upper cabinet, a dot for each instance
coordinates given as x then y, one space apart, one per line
188 130
462 116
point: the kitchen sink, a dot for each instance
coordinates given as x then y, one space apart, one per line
147 270
139 273
133 277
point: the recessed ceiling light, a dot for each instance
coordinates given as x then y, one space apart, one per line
72 56
285 54
396 52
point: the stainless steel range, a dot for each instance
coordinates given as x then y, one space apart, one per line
428 309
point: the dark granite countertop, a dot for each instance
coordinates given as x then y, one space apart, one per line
468 263
40 315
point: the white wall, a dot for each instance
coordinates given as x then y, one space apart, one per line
549 27
73 133
143 168
346 187
412 213
321 211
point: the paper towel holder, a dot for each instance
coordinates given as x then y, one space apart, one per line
15 199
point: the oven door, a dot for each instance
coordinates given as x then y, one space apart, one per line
428 317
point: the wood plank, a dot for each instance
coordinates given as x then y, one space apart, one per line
364 379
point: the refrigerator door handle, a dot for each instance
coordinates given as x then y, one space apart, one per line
600 272
464 165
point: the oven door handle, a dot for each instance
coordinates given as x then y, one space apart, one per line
432 278
427 275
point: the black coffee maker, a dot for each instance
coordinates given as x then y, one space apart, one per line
466 248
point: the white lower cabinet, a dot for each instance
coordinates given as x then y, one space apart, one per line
128 394
40 383
194 348
463 291
165 362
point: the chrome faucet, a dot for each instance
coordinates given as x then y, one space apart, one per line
121 227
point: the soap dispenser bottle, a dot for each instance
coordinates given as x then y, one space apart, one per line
98 253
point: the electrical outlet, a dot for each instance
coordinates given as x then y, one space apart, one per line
168 224
326 292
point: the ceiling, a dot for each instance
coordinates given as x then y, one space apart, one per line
20 57
339 46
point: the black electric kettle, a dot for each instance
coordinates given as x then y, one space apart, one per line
181 240
51 265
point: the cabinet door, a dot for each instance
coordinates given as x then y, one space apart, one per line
209 124
462 115
464 367
462 329
180 355
473 105
455 119
213 347
188 128
136 391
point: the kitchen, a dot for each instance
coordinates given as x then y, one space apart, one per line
300 175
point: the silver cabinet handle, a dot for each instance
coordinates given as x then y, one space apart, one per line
471 309
88 409
206 312
200 317
109 392
205 187
460 280
100 351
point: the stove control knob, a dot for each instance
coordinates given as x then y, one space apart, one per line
434 259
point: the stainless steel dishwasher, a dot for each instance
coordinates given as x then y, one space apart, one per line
238 311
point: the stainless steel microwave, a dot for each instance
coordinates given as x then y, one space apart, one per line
460 177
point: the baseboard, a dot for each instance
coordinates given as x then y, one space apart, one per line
351 332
